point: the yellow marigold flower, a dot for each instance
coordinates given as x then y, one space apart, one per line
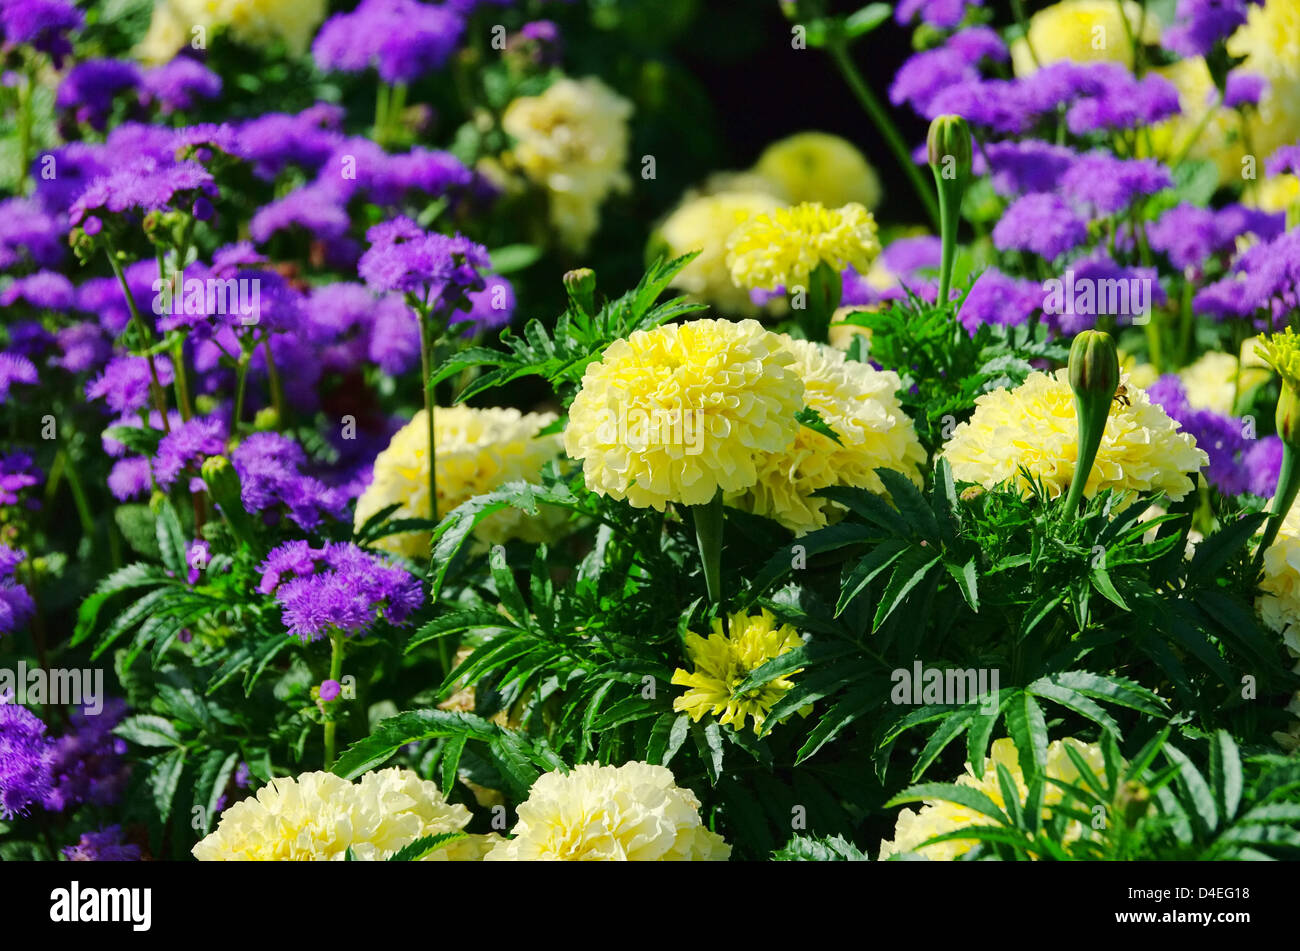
939 818
1083 31
722 661
318 816
1274 194
1281 352
783 248
817 166
572 141
1034 426
629 813
1270 43
253 22
1216 138
842 334
676 413
479 450
704 223
1279 601
1140 375
859 404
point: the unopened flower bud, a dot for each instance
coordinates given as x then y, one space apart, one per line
580 284
948 147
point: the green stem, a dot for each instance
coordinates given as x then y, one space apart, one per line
155 387
1091 430
336 671
241 381
273 380
708 536
884 124
427 344
24 126
949 213
1019 8
381 112
1288 484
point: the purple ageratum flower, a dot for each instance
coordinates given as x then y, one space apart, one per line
944 14
1272 274
106 845
18 471
276 140
1190 235
1106 185
329 690
1096 287
1124 102
270 475
403 257
77 164
926 74
124 384
338 587
44 290
999 299
433 173
24 760
180 84
1199 25
1041 223
15 368
402 39
1020 168
197 557
1263 464
1286 159
28 233
1220 436
394 336
83 348
145 186
40 24
103 297
27 338
87 763
906 256
1243 89
319 211
16 605
130 479
490 308
90 87
186 446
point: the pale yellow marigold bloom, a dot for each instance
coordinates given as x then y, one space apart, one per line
317 817
1083 31
817 166
783 248
1140 375
676 413
252 22
1034 426
479 450
939 818
860 405
841 334
1279 601
1217 139
704 223
572 141
1214 382
1276 193
1270 43
629 813
723 660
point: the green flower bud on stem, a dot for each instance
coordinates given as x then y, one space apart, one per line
580 285
1282 352
223 485
708 537
948 148
825 288
1094 377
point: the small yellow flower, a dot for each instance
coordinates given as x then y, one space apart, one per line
1034 427
253 22
860 405
676 413
629 813
479 450
1281 352
783 248
723 660
1083 31
817 166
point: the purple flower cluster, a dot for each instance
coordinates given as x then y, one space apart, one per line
87 763
999 299
927 74
437 268
24 760
179 85
15 368
1190 235
270 476
146 185
1106 185
402 39
1199 25
124 384
40 24
339 587
18 471
28 233
91 86
106 845
944 14
16 605
1042 223
185 448
1264 284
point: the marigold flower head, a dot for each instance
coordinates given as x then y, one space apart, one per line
817 166
1270 45
723 660
1034 427
318 816
676 413
859 404
783 248
254 22
1281 351
479 450
1082 31
940 817
1279 600
634 812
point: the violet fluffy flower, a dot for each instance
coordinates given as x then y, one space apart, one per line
337 588
1286 159
1123 101
1190 235
927 74
83 347
181 83
1263 464
945 14
130 478
124 384
16 605
24 760
1041 223
44 290
1096 287
1220 436
87 763
1264 284
1200 24
490 308
319 211
144 186
1107 185
18 471
15 368
440 269
106 845
276 140
40 24
402 39
28 233
270 475
186 446
997 298
90 87
1243 89
1019 168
